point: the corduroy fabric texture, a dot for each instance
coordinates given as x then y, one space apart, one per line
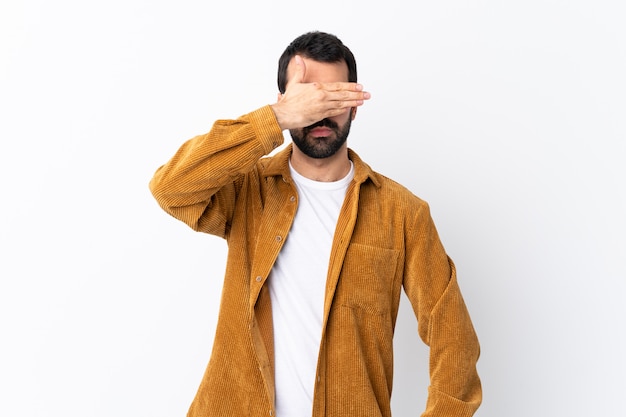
222 183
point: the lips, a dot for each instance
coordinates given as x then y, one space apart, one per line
321 132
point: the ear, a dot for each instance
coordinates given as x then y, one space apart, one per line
353 113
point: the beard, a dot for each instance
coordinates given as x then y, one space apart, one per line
321 147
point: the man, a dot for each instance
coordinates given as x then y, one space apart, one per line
320 248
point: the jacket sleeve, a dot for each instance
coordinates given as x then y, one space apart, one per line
444 323
199 184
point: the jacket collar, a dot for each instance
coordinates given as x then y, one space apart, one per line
278 165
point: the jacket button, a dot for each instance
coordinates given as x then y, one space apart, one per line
258 279
278 238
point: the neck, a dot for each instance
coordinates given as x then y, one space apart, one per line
329 169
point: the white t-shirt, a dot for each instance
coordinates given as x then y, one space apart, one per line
297 286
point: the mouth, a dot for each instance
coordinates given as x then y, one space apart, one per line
320 132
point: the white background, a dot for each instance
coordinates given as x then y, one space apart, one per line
507 117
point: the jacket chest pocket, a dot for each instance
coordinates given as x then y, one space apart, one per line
367 277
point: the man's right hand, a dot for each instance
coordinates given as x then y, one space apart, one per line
303 104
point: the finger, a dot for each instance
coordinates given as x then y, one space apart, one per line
348 96
340 107
339 110
299 70
342 86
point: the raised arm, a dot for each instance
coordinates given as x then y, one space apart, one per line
198 185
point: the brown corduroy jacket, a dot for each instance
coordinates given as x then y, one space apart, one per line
385 240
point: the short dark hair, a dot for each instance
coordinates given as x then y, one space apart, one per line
318 46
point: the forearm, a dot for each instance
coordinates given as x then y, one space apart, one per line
202 173
455 388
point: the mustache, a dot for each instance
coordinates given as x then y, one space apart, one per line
322 123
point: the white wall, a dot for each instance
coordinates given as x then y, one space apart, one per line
508 117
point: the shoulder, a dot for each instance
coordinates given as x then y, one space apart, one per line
384 192
395 193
